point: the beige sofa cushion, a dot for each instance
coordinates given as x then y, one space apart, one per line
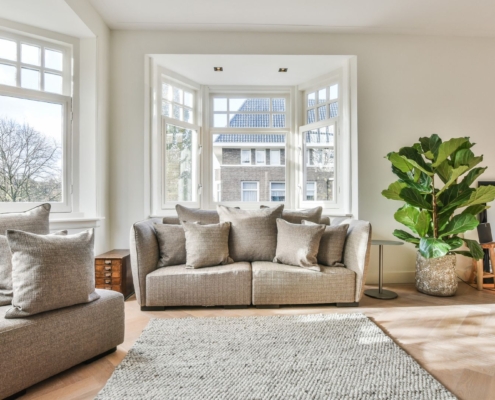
207 245
35 220
220 285
172 242
50 272
204 217
253 233
286 284
332 244
297 216
298 244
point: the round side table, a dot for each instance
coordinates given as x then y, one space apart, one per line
381 293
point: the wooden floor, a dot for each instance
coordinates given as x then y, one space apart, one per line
453 338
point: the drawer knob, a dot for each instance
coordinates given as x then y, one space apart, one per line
108 281
108 268
108 262
108 274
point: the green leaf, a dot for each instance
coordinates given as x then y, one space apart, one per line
446 149
415 198
444 170
459 224
443 219
476 209
423 223
408 216
481 195
454 242
399 162
433 248
406 237
430 145
475 249
456 172
453 197
411 155
463 157
393 191
472 176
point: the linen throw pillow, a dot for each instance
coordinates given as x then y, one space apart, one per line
253 233
332 244
298 244
204 217
172 243
297 216
207 245
50 272
35 220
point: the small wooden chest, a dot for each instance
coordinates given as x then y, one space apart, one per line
113 272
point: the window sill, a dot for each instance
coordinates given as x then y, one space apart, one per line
57 224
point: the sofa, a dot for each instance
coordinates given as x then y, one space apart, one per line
240 284
36 347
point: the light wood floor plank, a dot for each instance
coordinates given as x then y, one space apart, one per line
453 338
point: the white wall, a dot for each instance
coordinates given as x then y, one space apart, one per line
408 86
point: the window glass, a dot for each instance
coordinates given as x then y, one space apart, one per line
277 191
220 120
8 49
278 121
249 191
8 74
188 99
310 191
180 163
322 113
53 83
274 157
322 95
219 104
260 156
245 156
30 54
249 120
177 95
30 78
334 92
278 105
31 161
334 110
311 99
54 59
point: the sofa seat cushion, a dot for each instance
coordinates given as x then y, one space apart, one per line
286 284
35 348
222 285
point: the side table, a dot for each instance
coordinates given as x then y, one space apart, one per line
381 293
113 272
478 267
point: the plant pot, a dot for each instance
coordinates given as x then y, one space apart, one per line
436 276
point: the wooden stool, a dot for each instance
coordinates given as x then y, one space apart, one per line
478 267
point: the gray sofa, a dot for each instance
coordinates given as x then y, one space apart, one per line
35 348
244 283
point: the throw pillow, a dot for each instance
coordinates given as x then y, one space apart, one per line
35 220
298 244
253 233
50 272
172 243
6 270
332 244
297 216
204 217
207 245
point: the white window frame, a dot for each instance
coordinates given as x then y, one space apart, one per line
272 190
250 190
243 93
279 152
260 156
243 153
160 205
340 204
64 99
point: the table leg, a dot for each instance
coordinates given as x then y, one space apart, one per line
479 274
380 293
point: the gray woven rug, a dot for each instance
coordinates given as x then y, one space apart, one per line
325 356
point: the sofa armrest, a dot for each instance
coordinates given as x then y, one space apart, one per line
145 252
357 253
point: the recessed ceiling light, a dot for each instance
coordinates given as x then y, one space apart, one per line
218 69
283 69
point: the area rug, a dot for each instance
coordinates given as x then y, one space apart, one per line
323 356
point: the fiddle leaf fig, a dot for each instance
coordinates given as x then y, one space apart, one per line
437 214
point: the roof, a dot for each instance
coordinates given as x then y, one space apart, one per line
250 138
259 120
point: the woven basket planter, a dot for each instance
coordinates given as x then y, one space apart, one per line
436 276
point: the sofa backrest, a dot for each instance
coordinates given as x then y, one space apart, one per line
174 220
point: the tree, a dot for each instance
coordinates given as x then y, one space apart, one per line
29 164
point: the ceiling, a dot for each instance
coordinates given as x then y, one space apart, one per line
249 69
53 15
438 17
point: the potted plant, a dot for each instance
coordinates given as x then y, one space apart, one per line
438 214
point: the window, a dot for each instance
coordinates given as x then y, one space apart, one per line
311 191
35 123
246 157
252 133
322 104
260 157
275 157
277 191
180 145
250 191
